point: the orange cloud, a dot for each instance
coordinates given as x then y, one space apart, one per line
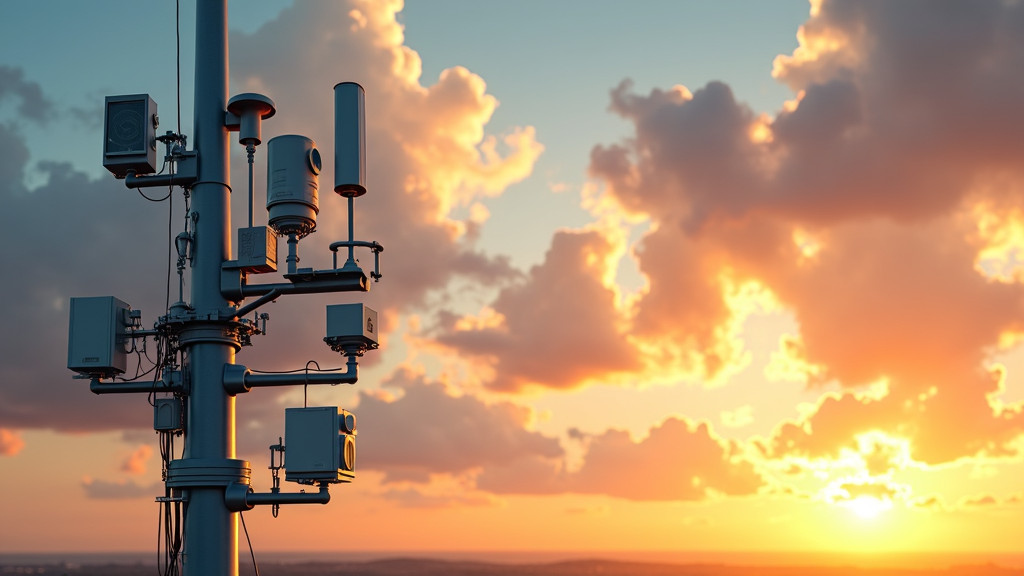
979 501
430 159
11 442
561 325
931 502
135 464
893 139
678 460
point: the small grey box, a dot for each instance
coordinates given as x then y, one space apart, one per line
257 250
315 449
167 414
96 336
355 323
129 134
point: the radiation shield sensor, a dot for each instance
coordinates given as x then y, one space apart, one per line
293 169
129 134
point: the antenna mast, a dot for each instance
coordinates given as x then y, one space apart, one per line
197 398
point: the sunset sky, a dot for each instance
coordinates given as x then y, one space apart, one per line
662 276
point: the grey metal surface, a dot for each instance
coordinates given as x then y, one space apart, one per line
349 140
293 181
96 336
211 545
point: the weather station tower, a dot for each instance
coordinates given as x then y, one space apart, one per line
194 381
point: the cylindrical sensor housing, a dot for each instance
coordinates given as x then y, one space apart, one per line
293 168
349 140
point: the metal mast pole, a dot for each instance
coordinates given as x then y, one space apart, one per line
208 481
211 545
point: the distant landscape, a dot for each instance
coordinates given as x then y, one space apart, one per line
433 567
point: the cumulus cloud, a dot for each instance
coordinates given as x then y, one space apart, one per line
11 442
857 206
556 328
135 463
678 460
427 151
429 431
863 208
429 158
31 102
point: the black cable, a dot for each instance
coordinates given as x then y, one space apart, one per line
170 245
305 387
251 553
143 194
307 369
159 533
177 53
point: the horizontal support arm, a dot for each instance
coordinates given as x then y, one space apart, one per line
239 379
312 282
186 175
97 387
240 497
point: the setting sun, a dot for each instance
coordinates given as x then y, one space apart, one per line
868 507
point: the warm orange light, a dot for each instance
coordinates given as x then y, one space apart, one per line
760 130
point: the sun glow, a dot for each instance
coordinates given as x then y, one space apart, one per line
868 507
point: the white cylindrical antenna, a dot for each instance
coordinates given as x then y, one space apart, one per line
349 140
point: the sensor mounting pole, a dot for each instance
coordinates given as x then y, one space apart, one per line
212 543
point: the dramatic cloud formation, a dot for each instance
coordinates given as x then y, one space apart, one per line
857 207
876 210
428 432
678 460
428 156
